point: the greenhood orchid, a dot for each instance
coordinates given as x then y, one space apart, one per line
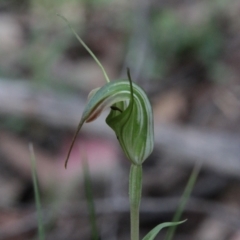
131 117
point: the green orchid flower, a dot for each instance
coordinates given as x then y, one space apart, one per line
131 117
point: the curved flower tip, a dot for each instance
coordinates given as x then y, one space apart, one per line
131 117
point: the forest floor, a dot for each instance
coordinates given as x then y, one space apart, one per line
184 54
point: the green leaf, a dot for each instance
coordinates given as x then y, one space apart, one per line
186 194
131 117
153 233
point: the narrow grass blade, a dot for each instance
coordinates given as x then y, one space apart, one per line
153 233
90 199
41 233
186 194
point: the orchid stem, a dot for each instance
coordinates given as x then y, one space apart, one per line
135 192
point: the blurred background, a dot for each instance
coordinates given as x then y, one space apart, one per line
185 55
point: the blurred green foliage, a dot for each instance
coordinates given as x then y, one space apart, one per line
46 42
174 41
14 123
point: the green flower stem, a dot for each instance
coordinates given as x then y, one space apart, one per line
135 192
